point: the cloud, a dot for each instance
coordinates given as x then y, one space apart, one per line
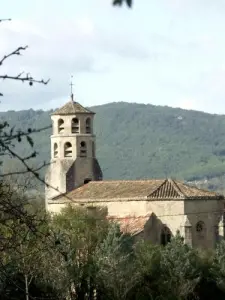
103 47
57 50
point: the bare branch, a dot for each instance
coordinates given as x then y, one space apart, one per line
24 78
21 77
23 160
30 170
23 134
15 52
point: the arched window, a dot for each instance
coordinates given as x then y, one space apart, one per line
75 125
68 150
83 149
61 126
88 125
165 236
56 150
200 229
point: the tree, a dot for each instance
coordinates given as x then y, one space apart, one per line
148 258
69 261
115 263
170 272
12 201
17 223
179 270
20 273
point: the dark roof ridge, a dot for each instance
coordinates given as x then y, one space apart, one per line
125 180
176 187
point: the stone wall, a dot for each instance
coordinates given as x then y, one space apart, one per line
170 213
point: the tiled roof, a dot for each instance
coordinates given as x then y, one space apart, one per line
154 189
71 108
130 224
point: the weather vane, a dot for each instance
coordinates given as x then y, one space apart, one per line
71 86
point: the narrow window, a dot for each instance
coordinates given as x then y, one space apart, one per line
53 127
61 126
188 234
88 125
93 149
83 149
165 236
68 150
75 125
56 150
200 229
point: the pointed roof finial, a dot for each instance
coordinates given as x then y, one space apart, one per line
71 85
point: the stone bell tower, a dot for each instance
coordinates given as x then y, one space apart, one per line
73 157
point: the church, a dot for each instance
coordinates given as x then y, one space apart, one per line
153 209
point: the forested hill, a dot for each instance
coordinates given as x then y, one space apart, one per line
143 141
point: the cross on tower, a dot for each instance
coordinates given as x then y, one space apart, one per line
71 86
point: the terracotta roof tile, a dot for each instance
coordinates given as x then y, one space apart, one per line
71 108
131 224
194 192
115 189
138 189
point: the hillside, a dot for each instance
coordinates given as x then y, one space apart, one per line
139 141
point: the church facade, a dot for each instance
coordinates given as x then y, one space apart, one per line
151 209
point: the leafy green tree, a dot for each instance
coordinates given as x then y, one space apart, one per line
23 247
179 270
75 234
114 262
170 272
148 258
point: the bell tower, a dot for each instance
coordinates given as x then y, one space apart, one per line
73 155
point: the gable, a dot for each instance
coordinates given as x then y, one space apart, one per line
167 190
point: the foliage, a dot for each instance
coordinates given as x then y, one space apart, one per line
79 254
113 260
75 234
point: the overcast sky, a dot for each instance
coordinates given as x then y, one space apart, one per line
163 52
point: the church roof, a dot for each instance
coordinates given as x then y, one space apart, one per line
154 189
71 108
131 224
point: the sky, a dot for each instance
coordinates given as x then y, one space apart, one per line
162 52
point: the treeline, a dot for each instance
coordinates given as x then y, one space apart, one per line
140 141
79 254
